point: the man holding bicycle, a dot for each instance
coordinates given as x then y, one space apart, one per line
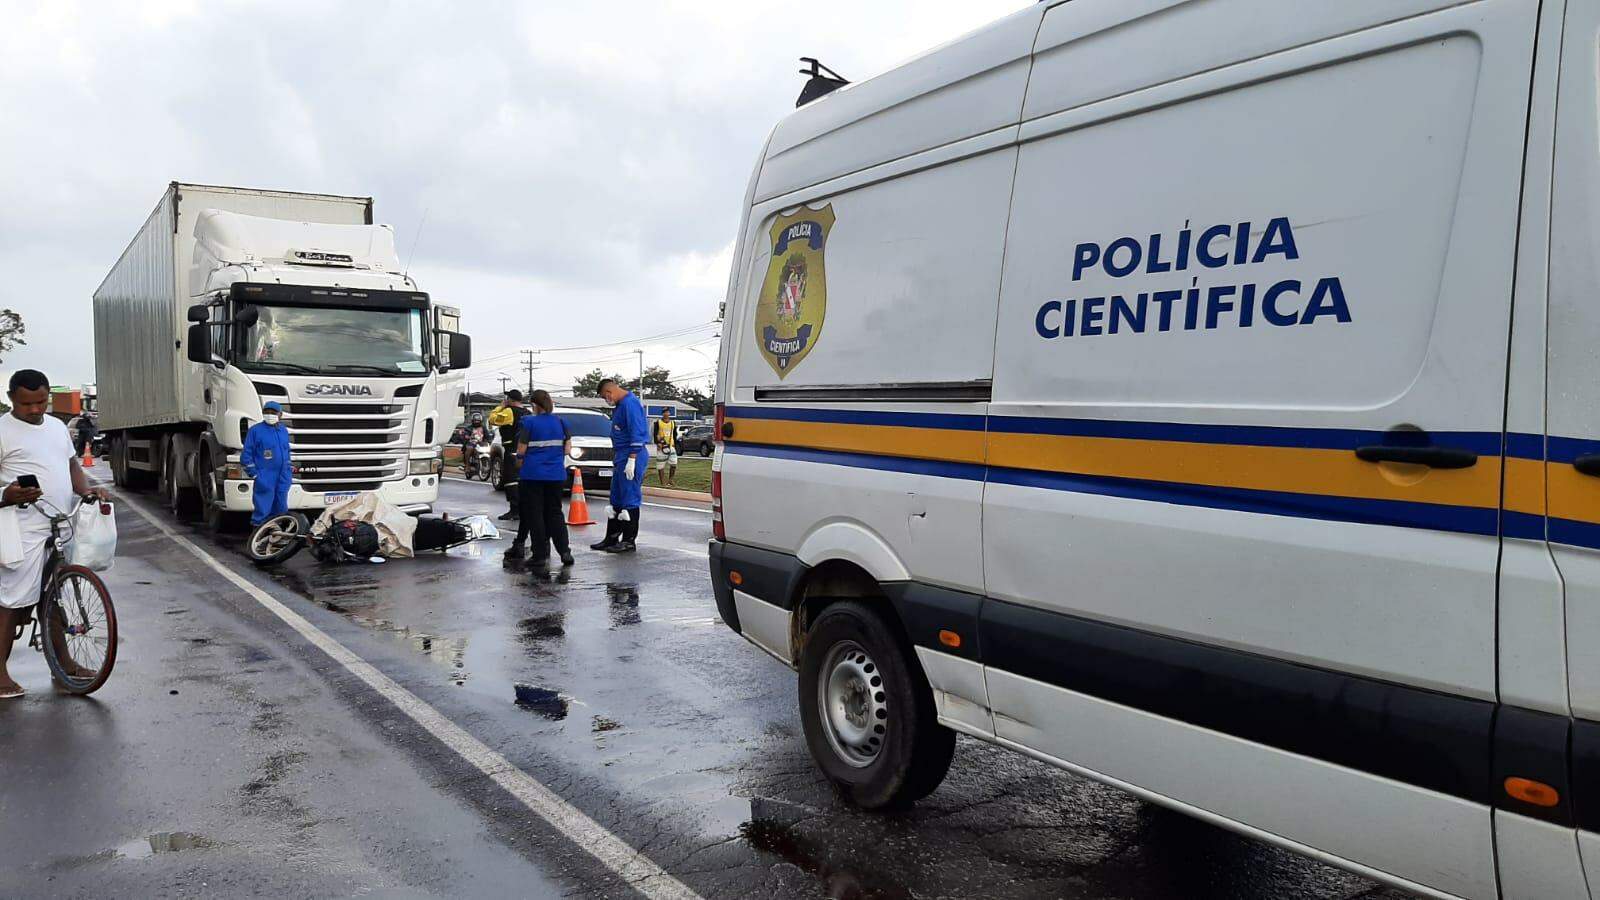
37 463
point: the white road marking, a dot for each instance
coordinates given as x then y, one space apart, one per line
683 508
691 552
611 851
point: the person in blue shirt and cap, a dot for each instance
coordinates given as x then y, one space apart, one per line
265 458
630 457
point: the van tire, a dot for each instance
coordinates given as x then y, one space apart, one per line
915 751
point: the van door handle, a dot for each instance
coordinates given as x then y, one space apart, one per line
1588 464
1432 457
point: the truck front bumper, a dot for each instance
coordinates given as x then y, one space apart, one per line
414 493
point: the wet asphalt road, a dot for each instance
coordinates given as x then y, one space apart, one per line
228 756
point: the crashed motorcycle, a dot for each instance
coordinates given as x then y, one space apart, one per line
353 540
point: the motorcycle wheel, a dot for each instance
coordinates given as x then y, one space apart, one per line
277 539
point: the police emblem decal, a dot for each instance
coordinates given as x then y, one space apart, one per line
794 296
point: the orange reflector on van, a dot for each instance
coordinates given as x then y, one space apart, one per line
1529 791
949 638
735 578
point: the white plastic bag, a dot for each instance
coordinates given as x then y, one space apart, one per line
94 537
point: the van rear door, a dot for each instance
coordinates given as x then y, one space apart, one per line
1570 484
1241 525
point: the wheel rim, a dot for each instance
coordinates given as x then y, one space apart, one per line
208 487
274 534
80 608
854 707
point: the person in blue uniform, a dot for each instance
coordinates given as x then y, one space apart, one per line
543 443
265 458
630 456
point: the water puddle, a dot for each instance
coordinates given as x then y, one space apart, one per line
446 651
624 599
552 705
772 829
163 842
540 628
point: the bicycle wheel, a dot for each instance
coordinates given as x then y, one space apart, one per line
277 539
80 630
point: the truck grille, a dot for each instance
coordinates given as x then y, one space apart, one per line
343 446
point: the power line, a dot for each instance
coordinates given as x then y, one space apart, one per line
637 340
573 362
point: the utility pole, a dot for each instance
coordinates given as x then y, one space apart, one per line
640 388
503 380
527 363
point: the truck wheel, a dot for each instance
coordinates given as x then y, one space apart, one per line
217 519
868 711
119 462
180 500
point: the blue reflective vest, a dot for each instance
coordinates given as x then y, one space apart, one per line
545 434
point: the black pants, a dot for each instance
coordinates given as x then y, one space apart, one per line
541 523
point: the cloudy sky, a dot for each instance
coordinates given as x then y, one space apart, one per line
575 169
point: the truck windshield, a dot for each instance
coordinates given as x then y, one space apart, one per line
319 339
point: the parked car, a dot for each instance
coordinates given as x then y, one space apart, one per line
591 446
699 439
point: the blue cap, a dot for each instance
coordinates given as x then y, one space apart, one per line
272 405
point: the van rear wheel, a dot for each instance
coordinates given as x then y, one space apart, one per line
868 711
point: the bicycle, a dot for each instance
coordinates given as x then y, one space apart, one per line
79 624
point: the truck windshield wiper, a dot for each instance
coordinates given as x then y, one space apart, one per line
363 367
285 366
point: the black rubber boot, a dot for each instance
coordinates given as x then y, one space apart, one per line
630 530
514 551
613 533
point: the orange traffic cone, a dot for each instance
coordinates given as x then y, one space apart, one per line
578 509
88 457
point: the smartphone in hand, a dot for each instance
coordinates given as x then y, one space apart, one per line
28 481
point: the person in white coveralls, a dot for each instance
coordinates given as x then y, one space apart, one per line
37 444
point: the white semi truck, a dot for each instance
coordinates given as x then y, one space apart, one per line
230 297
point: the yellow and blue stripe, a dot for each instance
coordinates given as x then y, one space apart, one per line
1301 472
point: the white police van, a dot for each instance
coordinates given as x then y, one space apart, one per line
1203 397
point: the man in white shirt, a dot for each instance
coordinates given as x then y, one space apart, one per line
37 444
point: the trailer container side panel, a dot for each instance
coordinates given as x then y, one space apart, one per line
135 329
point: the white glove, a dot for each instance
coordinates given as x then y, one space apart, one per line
622 516
632 466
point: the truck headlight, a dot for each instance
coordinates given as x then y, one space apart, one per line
425 466
577 453
233 472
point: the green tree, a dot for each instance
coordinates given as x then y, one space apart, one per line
589 385
11 331
698 399
657 384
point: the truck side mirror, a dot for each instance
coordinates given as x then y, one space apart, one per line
460 350
200 313
200 344
248 317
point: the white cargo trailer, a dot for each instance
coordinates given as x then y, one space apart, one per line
229 297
